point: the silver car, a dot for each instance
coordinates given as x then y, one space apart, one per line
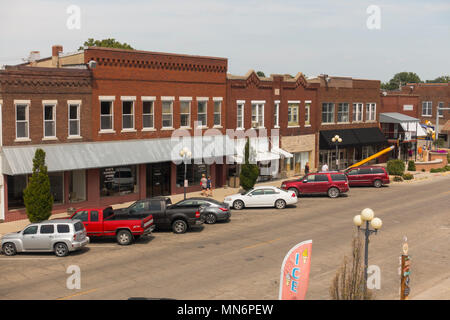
59 236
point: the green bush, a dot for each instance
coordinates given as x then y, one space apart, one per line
440 169
408 176
249 172
395 167
411 165
398 179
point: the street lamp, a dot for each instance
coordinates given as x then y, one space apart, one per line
185 154
336 139
367 215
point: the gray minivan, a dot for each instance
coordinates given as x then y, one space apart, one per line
60 236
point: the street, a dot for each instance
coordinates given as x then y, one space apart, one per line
242 259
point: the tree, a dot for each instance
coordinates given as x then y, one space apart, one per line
249 172
349 282
401 79
106 43
261 74
441 79
37 196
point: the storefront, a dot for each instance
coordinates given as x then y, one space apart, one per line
302 149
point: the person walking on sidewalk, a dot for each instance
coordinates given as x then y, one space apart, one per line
324 167
209 187
203 184
306 168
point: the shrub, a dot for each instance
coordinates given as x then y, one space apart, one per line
398 179
411 165
439 169
249 172
395 167
408 176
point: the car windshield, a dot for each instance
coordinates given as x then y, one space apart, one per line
247 192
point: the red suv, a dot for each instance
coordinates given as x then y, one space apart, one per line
367 176
331 183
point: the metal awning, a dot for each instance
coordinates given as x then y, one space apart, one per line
395 117
88 155
351 137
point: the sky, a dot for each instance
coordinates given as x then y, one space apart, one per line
285 36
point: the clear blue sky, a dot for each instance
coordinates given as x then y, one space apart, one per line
284 36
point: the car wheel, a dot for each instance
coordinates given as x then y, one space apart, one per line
280 204
179 226
124 237
61 249
9 249
333 192
294 190
211 218
377 183
238 204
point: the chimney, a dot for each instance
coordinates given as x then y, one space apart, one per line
56 49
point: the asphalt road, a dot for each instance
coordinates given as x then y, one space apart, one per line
241 259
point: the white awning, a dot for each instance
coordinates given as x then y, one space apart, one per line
412 127
282 153
267 156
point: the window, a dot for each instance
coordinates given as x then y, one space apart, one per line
74 119
327 112
343 112
269 191
147 114
321 178
30 230
167 107
426 108
217 113
185 113
94 216
127 115
193 174
338 177
16 185
357 112
155 205
276 112
49 120
370 111
258 115
377 171
259 192
57 186
441 112
293 114
307 113
78 226
63 228
240 115
353 172
365 171
47 229
77 186
106 115
22 121
201 113
118 181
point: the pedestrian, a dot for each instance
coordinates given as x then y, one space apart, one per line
307 168
203 184
209 187
324 167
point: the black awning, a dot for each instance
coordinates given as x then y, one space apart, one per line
352 137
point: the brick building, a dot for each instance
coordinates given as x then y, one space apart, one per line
349 108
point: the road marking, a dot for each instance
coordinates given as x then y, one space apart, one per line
77 294
261 243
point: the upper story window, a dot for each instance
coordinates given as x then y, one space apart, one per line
74 119
240 115
441 112
167 113
148 113
371 109
343 113
128 113
307 113
106 115
426 108
276 114
22 116
357 112
49 120
327 112
258 114
293 108
217 112
202 106
185 113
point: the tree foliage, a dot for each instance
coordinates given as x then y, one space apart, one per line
401 79
261 74
37 196
441 79
249 171
395 167
106 43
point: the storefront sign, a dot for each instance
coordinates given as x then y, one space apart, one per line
295 272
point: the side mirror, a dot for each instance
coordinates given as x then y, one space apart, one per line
305 181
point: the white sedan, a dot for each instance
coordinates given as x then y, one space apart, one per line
266 196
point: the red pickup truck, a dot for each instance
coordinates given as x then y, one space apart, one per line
102 222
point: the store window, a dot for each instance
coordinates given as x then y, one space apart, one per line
193 174
116 181
77 186
57 186
16 185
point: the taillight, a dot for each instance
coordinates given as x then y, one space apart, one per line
223 209
293 195
197 214
74 237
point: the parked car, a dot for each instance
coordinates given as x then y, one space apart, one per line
266 196
367 176
59 236
179 216
211 210
103 222
331 183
